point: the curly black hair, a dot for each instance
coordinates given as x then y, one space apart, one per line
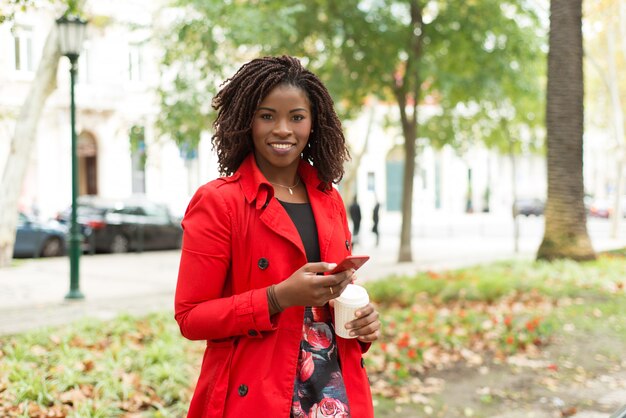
240 96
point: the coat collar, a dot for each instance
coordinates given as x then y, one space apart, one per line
326 207
256 187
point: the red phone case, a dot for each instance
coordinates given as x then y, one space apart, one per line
351 261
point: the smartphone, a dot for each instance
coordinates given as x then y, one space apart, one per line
350 262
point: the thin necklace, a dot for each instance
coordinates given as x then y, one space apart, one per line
287 187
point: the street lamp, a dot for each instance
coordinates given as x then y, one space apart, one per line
71 35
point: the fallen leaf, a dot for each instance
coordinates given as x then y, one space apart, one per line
568 412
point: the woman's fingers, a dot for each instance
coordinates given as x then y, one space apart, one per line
366 326
333 285
369 337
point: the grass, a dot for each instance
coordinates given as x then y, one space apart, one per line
99 369
141 367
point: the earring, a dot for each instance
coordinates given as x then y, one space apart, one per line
312 130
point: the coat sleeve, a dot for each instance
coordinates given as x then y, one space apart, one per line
204 309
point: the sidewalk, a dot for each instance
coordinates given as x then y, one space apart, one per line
32 292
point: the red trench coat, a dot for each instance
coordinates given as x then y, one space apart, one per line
238 240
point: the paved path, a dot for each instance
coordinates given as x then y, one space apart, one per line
32 292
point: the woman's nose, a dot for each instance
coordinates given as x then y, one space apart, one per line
282 128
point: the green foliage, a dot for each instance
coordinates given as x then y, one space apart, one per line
8 8
561 278
482 53
507 111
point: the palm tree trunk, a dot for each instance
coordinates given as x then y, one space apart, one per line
565 233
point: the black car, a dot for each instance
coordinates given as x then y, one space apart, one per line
38 239
529 207
119 226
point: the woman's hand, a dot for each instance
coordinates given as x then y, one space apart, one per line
305 287
366 326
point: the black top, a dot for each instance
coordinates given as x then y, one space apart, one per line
302 216
318 375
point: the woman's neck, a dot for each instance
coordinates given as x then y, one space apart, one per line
285 176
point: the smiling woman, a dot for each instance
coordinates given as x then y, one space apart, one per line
259 245
280 131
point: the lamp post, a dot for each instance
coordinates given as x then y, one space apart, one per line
71 35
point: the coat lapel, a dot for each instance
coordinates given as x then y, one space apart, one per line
326 214
259 192
277 219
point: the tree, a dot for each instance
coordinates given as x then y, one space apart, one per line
400 51
565 234
506 117
25 131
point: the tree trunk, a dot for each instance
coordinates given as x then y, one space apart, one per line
410 83
409 130
22 143
565 233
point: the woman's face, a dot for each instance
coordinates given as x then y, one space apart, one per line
280 128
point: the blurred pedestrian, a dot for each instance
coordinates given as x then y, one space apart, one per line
355 216
375 219
256 247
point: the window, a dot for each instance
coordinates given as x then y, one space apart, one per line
371 181
23 49
138 158
135 62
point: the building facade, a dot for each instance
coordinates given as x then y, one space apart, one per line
119 151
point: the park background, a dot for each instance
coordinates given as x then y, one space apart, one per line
477 135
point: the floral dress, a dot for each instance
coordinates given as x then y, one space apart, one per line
319 390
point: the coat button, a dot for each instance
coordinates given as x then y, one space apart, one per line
252 333
362 362
243 390
263 263
347 245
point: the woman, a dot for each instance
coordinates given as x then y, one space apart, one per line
257 248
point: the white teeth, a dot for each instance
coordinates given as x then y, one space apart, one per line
280 146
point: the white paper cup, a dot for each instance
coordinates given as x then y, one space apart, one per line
352 298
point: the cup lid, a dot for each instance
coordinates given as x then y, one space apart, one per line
354 293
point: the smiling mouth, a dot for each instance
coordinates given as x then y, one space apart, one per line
281 146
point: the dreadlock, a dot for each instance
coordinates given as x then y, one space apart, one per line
240 96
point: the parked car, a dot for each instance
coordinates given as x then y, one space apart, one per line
603 208
528 207
119 226
38 239
599 208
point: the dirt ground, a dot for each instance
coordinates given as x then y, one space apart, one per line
580 374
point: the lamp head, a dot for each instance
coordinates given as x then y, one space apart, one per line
71 35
